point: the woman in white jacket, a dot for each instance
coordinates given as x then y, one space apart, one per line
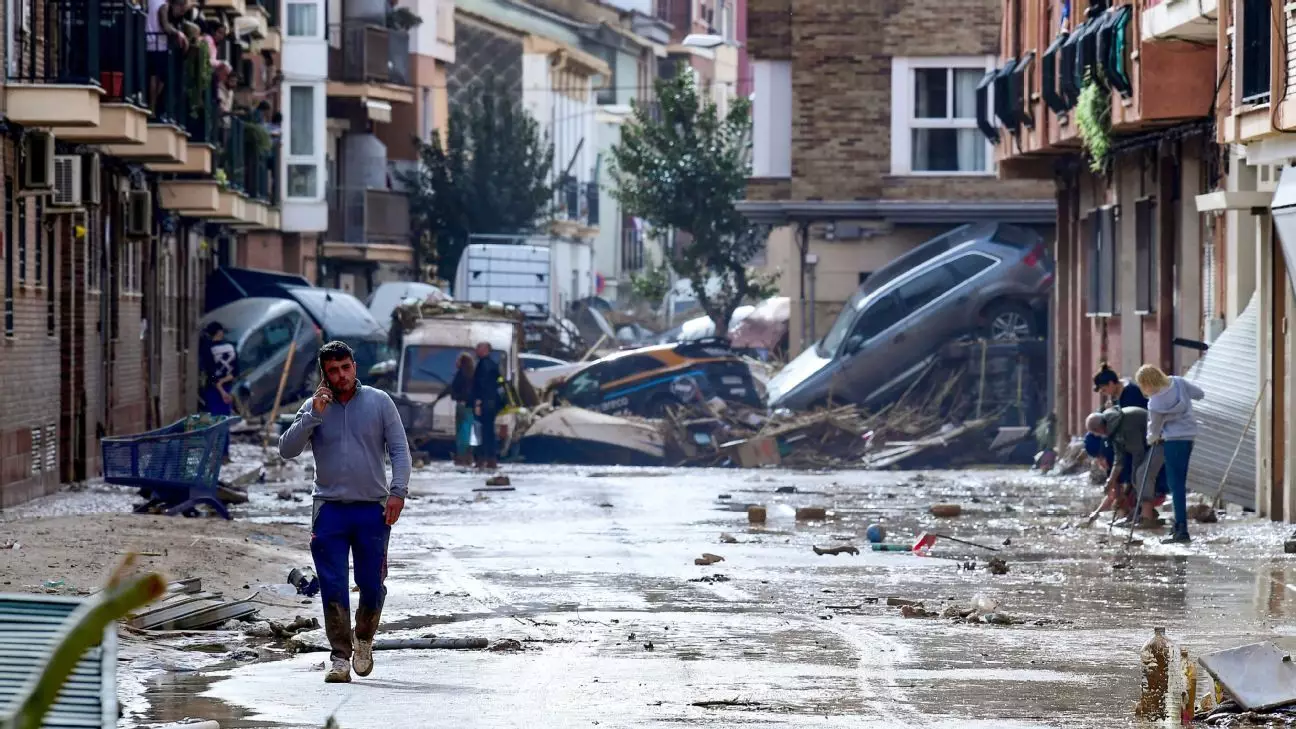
1172 425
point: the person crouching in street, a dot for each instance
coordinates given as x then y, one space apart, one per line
486 405
352 428
1171 425
1124 429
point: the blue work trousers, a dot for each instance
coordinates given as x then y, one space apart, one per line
463 429
357 530
1177 455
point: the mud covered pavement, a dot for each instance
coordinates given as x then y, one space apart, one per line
593 574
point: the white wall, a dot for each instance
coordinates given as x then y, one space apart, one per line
772 119
305 65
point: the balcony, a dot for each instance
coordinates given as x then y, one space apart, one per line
370 225
576 206
369 61
229 7
176 92
1185 20
123 80
202 132
54 77
1029 102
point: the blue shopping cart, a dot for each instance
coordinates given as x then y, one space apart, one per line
176 467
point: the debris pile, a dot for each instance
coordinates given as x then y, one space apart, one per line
948 412
187 607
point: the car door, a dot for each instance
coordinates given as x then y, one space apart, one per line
865 364
273 355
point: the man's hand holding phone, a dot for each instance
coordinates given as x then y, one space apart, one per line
323 396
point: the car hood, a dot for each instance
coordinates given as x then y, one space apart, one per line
797 371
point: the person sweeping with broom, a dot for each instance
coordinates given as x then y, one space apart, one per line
1172 425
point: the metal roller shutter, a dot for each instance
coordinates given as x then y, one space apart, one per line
1229 373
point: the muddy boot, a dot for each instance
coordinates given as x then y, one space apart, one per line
339 673
337 627
366 625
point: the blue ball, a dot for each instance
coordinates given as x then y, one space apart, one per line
876 533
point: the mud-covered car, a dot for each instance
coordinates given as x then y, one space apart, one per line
647 381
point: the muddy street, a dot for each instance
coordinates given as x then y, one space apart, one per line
593 573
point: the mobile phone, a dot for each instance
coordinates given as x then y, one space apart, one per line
324 379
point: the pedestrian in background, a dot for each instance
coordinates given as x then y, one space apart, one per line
486 405
1121 393
352 429
1172 425
461 393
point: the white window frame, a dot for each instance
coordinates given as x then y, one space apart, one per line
314 159
903 122
318 33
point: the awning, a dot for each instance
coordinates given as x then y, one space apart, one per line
1230 375
900 212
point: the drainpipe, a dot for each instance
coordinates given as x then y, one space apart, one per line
812 261
803 248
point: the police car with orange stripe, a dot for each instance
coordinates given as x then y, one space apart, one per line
649 380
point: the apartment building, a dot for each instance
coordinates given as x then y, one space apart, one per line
129 171
1254 253
860 156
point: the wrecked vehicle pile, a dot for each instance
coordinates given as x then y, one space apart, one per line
974 403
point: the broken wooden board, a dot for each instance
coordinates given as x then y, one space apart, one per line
1259 676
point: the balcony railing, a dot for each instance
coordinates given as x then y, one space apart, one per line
233 154
168 67
63 46
202 120
361 216
249 159
367 53
123 71
577 201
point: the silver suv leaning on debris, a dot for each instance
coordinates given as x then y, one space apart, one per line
986 279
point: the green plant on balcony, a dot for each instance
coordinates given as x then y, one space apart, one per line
259 136
222 180
403 19
1093 121
198 69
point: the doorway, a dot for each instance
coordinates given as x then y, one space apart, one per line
1279 285
71 296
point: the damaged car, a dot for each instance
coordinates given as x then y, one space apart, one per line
649 380
989 280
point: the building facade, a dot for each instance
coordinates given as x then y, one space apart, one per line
129 171
857 158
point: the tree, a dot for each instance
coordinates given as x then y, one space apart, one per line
681 165
490 175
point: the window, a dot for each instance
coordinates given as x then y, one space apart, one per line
632 244
878 317
130 267
94 257
1256 35
584 389
772 119
623 367
925 288
302 181
7 233
1145 255
427 113
965 267
934 117
1100 232
301 116
429 369
864 276
302 168
303 20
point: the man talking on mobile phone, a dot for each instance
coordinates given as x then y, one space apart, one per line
351 429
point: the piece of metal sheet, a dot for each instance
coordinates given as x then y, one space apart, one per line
1230 375
1259 676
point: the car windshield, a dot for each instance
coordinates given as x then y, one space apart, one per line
428 369
832 341
368 354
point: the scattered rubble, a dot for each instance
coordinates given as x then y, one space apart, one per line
708 559
811 513
726 538
186 607
756 514
712 578
498 480
997 566
946 511
506 645
1203 514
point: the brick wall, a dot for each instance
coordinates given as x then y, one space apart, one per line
841 53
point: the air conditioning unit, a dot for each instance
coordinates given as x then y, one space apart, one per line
38 162
67 181
139 214
90 179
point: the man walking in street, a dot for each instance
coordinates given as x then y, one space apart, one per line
351 429
486 405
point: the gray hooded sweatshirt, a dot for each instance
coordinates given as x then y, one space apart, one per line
1170 412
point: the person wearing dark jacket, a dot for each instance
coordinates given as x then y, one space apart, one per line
486 405
461 392
1121 393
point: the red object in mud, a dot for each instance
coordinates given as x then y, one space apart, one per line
925 542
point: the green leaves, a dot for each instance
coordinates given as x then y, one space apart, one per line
489 176
1093 120
682 165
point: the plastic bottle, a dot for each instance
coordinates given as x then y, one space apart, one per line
1155 656
1189 707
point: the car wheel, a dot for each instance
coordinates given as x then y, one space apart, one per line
1009 322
